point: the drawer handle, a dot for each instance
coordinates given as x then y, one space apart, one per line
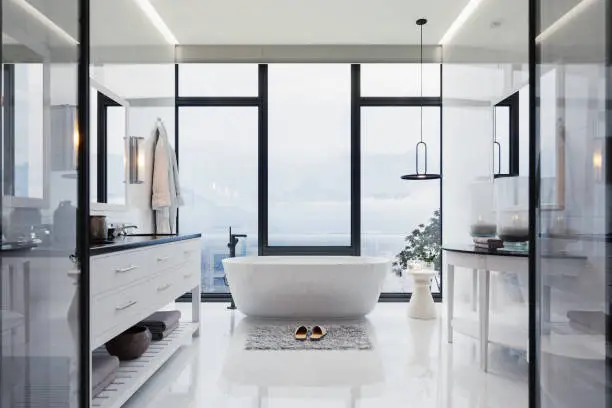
163 258
124 270
188 275
164 287
127 305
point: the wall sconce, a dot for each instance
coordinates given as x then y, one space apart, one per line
76 139
598 165
65 150
137 160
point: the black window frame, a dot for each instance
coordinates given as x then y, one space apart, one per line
261 102
8 110
513 105
354 249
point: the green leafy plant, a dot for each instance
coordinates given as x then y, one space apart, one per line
423 244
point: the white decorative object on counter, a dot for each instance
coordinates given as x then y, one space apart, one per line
421 304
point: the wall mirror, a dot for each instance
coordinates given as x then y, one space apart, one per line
25 180
511 139
506 137
109 158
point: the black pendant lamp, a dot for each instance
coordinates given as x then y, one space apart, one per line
421 144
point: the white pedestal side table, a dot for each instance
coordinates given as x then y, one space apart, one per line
421 304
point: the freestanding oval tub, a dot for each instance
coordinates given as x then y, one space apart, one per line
306 286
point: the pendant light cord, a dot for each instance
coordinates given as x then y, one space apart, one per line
421 74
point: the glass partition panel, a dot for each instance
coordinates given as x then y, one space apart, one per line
573 270
40 322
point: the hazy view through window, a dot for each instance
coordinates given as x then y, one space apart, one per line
309 150
309 130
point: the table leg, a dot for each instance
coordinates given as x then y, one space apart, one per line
485 280
474 289
195 308
450 290
546 304
27 299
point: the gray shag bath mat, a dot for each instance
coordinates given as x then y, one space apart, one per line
281 337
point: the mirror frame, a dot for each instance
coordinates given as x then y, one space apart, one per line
95 206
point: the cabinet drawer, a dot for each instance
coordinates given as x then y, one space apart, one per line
119 309
119 269
175 282
169 256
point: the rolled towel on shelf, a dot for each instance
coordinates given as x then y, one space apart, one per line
161 324
160 335
160 321
103 370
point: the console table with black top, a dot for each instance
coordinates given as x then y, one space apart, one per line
482 261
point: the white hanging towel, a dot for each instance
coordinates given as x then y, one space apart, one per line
165 188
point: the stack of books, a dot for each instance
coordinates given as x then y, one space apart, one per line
488 243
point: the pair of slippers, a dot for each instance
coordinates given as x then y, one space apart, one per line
302 333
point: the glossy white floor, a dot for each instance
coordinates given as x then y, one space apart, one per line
412 365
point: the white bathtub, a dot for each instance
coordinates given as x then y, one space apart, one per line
306 286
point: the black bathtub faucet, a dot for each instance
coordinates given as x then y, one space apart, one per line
233 241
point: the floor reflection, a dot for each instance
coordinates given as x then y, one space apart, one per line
300 373
410 365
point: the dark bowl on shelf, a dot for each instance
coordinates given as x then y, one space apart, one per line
130 344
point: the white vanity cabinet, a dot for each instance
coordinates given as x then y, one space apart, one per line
127 285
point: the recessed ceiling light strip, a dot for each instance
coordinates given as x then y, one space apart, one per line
465 14
159 23
46 21
565 19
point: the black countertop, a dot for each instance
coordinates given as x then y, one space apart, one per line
137 241
33 250
472 249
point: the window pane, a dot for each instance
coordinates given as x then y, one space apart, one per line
392 208
29 131
309 150
399 80
218 80
218 168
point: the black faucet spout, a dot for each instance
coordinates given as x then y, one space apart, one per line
233 241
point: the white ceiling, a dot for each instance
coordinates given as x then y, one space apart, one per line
307 22
293 22
502 26
248 22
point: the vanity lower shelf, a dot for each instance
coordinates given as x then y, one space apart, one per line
131 375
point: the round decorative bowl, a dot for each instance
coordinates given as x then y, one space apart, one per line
130 344
483 230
